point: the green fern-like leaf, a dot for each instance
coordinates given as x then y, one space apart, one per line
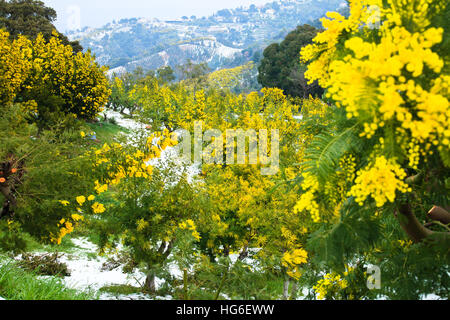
327 149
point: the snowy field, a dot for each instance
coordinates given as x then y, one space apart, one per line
86 273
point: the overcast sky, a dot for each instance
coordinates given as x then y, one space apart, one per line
96 13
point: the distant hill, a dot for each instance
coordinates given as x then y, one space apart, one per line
229 38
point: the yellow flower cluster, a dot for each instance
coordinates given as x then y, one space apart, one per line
380 181
405 244
190 225
64 203
348 167
414 154
141 225
292 260
330 283
382 81
66 227
98 208
121 163
307 200
100 188
81 200
15 65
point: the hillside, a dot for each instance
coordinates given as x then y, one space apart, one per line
228 38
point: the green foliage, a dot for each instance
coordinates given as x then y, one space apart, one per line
165 75
49 168
119 290
29 18
223 279
106 132
419 262
341 243
51 112
326 150
281 68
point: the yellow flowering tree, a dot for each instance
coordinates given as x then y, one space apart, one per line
381 164
15 65
151 208
50 74
243 209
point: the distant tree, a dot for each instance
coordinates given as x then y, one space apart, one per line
165 74
257 57
138 73
298 79
191 70
29 18
194 73
281 67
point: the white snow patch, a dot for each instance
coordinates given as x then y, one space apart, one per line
127 123
165 56
116 71
87 274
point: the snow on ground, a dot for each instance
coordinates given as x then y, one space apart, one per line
85 267
86 272
122 121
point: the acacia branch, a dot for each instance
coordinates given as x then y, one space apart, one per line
408 221
417 231
168 249
439 214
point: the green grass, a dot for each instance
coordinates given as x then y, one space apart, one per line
121 289
105 131
17 284
66 245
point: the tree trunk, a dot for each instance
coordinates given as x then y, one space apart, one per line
287 281
150 285
408 221
294 291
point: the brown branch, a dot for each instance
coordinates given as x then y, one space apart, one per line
168 250
244 253
162 247
439 214
408 221
416 179
11 172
